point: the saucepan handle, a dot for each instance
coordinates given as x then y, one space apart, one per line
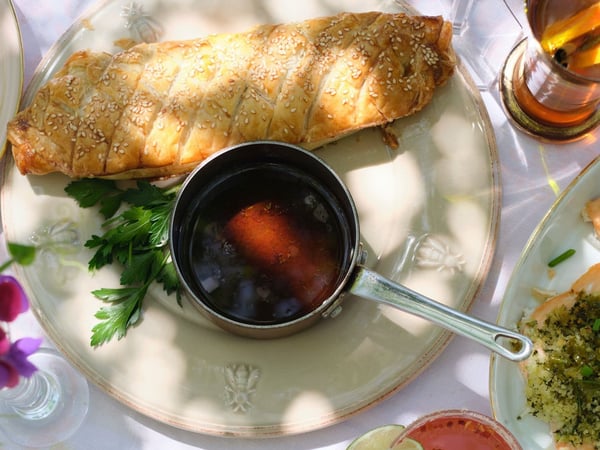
373 286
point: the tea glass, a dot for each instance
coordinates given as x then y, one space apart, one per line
550 83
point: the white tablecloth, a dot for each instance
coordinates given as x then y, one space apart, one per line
458 378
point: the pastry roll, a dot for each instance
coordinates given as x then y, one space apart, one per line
159 109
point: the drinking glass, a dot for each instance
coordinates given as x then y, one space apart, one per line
47 407
550 83
458 429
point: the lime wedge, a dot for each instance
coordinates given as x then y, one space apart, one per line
382 438
407 444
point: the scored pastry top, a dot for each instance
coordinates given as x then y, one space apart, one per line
159 109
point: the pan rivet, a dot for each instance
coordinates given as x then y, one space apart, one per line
335 312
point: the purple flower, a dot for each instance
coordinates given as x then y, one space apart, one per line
14 362
13 300
4 342
9 377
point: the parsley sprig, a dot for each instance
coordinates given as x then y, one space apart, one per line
136 237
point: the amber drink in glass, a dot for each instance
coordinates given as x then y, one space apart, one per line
555 79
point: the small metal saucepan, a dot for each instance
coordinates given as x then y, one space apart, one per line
265 239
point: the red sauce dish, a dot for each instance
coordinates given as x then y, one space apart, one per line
459 430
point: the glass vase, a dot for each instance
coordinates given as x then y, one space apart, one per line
47 407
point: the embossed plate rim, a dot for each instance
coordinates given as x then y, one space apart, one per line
11 81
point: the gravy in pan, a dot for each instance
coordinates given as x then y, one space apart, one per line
268 245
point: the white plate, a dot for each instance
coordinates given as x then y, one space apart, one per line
562 228
428 211
11 67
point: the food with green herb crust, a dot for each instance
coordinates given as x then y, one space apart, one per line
563 373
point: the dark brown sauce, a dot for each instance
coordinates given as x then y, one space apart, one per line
267 246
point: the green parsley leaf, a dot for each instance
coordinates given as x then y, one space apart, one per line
145 195
124 312
137 239
168 277
159 225
110 204
104 254
141 267
170 281
89 192
22 254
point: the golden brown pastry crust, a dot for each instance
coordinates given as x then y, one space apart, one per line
159 109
